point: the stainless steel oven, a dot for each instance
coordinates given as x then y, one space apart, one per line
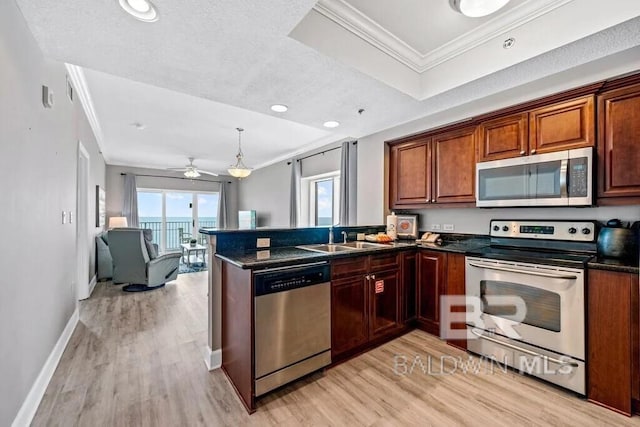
563 178
529 289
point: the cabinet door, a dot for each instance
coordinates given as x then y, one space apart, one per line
384 292
431 277
454 166
562 126
455 285
349 316
410 173
503 138
408 287
612 339
619 143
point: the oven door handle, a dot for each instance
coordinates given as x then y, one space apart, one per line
524 350
533 273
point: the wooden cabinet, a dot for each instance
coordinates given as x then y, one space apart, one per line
365 302
438 169
561 126
454 166
619 146
408 279
503 137
410 173
431 284
455 285
612 340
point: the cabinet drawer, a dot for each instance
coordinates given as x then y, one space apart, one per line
383 262
347 267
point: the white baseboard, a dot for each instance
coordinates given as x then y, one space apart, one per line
32 401
212 358
92 284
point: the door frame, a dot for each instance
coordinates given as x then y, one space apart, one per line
83 283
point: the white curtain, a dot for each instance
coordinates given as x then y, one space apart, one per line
294 197
348 183
130 202
223 212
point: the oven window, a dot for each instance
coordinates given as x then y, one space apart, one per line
543 307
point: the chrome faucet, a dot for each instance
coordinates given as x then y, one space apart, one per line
344 237
331 235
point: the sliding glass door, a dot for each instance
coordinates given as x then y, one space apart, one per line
176 216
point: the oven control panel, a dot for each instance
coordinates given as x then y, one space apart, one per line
577 231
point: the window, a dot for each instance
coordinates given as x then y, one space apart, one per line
320 199
175 216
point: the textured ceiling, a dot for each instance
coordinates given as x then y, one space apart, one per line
215 65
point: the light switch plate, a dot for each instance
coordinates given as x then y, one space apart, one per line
448 227
64 217
264 242
70 217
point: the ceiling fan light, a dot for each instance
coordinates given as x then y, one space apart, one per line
142 10
477 8
191 173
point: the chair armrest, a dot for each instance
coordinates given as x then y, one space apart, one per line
164 257
163 269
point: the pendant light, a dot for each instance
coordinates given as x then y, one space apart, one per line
239 170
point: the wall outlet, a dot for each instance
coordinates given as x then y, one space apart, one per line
448 227
263 243
435 227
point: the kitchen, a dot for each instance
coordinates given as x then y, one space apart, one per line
580 274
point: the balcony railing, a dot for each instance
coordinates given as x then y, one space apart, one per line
177 232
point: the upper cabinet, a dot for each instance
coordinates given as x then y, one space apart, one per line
438 169
503 137
619 145
562 126
410 173
556 127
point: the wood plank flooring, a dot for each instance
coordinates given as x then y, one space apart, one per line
136 360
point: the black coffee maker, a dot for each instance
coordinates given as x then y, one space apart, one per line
618 240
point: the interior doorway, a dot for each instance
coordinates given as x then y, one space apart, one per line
83 246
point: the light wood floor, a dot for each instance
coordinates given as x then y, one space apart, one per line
136 359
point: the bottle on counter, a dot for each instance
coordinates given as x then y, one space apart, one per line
392 225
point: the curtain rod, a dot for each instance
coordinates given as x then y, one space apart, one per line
321 152
177 177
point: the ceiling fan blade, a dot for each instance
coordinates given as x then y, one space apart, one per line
176 169
207 173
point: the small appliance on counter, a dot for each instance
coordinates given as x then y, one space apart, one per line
617 240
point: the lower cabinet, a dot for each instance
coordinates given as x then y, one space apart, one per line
408 277
365 306
613 357
439 273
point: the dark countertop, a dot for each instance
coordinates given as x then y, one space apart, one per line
612 264
283 256
215 231
280 257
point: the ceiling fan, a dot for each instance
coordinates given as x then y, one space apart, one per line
191 170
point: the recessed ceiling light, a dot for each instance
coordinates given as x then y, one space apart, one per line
477 8
142 10
138 125
279 108
331 124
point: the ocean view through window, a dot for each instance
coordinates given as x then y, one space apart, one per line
176 216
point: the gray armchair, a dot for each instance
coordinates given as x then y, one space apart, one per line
136 260
104 261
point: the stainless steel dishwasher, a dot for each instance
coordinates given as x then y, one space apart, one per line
292 323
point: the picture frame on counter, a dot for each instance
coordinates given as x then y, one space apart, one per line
407 227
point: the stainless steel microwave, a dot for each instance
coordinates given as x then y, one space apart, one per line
563 178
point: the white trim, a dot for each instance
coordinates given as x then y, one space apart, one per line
359 24
213 359
82 89
83 223
32 401
92 284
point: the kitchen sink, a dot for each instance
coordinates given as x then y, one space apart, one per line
326 248
341 247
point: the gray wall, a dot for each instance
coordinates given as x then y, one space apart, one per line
267 190
115 187
38 149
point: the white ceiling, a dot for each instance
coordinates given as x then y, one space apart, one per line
200 71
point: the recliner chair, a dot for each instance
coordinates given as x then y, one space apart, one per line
136 260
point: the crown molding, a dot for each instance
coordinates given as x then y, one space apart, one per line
76 74
357 23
